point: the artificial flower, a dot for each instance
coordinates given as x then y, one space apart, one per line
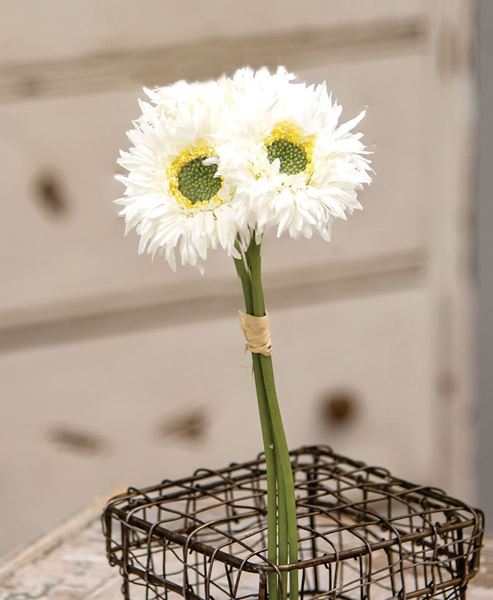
290 160
218 163
174 197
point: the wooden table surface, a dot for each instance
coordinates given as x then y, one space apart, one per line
70 564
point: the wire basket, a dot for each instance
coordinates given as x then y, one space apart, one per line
364 535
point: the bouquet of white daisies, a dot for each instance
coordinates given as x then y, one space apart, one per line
216 164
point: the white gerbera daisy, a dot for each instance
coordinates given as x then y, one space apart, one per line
291 162
174 196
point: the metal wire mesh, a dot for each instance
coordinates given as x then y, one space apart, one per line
364 535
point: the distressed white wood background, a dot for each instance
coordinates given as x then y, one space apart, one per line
97 342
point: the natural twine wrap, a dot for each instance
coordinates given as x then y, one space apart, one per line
257 333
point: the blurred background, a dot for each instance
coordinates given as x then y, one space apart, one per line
115 371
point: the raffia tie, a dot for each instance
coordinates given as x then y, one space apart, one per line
257 333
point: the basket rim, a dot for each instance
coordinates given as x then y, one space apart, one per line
123 506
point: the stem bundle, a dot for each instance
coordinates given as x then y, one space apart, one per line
282 534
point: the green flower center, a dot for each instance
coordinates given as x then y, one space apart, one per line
196 181
292 156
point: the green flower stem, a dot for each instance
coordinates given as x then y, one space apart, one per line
270 461
282 527
285 473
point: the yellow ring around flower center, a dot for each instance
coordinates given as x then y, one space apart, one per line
193 184
294 150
